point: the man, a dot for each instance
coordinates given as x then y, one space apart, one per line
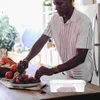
72 33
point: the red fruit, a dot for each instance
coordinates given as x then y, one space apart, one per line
26 76
17 80
42 91
14 80
7 60
9 75
13 68
31 79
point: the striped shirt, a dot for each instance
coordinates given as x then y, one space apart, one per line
75 33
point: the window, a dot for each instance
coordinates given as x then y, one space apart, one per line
24 15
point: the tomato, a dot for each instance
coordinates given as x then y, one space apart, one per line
4 59
7 60
13 68
9 75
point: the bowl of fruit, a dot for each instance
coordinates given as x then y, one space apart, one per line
23 80
20 80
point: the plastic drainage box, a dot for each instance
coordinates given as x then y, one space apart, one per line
67 85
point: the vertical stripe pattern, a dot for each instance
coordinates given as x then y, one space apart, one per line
75 33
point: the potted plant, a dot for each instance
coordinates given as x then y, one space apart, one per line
8 34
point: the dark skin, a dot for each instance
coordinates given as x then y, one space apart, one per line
65 9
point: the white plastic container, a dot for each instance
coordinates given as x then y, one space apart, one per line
67 85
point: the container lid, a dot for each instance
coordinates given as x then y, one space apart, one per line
67 81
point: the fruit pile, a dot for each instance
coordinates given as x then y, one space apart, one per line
7 64
24 79
13 70
18 78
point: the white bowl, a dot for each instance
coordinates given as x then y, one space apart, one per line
67 85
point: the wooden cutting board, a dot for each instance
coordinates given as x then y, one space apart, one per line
8 85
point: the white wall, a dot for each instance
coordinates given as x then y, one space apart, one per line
98 1
84 2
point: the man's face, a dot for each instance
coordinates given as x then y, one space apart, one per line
63 6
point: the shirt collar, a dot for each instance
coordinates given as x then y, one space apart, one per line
73 17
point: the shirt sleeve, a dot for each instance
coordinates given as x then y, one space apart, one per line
48 30
85 37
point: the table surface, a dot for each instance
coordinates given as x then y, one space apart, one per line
13 94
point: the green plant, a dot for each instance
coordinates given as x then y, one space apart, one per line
8 33
47 3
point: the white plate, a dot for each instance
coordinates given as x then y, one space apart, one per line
26 85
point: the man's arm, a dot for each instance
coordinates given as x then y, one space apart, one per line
37 47
23 64
74 62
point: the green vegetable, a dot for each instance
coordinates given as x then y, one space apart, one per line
16 74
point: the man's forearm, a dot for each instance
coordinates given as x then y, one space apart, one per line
34 51
74 62
70 64
37 47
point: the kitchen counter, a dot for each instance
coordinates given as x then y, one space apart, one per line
14 94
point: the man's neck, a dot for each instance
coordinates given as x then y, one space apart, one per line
67 16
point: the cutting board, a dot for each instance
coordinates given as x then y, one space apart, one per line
7 83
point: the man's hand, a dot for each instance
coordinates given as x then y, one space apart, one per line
22 65
43 71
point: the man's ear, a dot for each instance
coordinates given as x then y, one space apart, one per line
73 3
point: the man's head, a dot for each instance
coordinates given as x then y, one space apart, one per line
63 6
